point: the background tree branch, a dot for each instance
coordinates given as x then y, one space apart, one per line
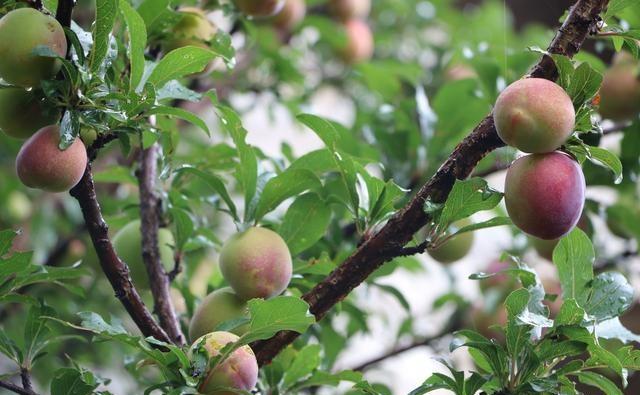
388 242
16 389
150 211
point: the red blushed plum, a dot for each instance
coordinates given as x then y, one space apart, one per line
259 8
291 15
544 194
239 371
348 9
620 91
219 306
534 115
360 45
21 32
41 164
256 263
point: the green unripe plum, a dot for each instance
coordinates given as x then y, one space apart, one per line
291 14
88 136
21 32
128 244
219 306
19 207
22 112
360 45
620 91
455 248
41 164
350 9
544 194
259 8
534 115
193 29
239 371
256 263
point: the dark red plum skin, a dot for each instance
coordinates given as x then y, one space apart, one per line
544 194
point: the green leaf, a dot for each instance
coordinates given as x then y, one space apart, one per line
607 159
137 42
574 257
611 295
247 170
155 14
216 183
283 186
306 361
106 13
6 240
69 381
179 63
584 84
467 198
490 223
305 222
182 114
268 317
615 6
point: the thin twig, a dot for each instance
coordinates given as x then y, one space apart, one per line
150 211
454 324
16 389
399 230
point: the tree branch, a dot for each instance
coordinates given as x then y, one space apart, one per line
390 239
117 272
14 388
159 281
454 324
26 379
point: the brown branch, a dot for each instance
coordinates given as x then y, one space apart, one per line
114 268
14 388
454 324
26 379
150 207
390 239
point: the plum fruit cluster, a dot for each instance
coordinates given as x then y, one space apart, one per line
24 114
352 15
544 191
257 264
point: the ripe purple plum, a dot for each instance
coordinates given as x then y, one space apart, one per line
256 263
534 115
219 306
239 371
544 194
21 32
43 165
